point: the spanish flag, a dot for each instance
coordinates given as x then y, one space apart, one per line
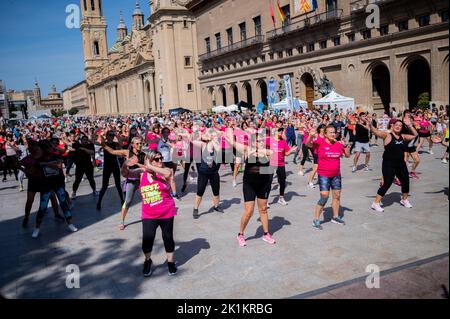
280 11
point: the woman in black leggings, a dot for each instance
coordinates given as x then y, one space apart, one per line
111 166
395 145
158 206
208 170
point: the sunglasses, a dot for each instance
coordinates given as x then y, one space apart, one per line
157 159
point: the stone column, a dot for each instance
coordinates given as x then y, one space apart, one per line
399 84
436 75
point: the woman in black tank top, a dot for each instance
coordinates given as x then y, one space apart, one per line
395 146
257 183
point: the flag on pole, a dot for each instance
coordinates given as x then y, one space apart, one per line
307 6
272 13
280 11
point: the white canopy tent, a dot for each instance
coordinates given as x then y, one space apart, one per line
336 100
284 105
227 109
219 109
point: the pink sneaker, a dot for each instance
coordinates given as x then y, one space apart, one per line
241 240
268 239
397 182
122 226
414 175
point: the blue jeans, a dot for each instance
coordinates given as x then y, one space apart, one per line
63 202
327 183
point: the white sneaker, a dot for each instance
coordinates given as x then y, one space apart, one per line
282 202
301 173
35 233
430 152
353 169
74 196
367 169
72 228
444 161
234 183
406 203
311 185
377 207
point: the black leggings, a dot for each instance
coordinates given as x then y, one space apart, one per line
79 172
149 227
390 170
107 171
11 163
202 182
187 167
305 151
281 174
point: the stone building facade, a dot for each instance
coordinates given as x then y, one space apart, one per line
240 50
76 97
53 102
150 69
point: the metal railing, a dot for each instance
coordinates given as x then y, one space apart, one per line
316 19
259 39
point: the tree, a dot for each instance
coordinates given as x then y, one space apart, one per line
424 101
12 115
73 111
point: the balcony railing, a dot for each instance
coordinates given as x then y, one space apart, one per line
360 5
316 19
259 39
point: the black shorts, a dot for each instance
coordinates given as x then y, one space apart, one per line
427 134
34 185
257 186
316 158
411 149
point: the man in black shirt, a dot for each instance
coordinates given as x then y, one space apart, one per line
84 152
361 141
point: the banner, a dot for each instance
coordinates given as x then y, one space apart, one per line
272 92
305 6
289 94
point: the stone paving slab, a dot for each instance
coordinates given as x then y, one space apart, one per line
211 265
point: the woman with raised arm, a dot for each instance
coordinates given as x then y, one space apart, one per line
132 183
257 183
395 146
208 169
158 206
329 153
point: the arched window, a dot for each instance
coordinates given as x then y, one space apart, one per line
85 5
96 48
93 5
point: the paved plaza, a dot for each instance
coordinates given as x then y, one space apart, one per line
304 263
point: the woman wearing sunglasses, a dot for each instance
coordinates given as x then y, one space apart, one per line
132 183
158 206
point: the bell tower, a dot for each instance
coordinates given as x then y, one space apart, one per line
93 30
175 52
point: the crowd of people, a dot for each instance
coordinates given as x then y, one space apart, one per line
143 153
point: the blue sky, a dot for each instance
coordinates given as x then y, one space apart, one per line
36 43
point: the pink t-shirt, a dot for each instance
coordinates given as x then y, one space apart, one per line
152 146
157 203
223 142
329 157
242 137
270 124
180 148
424 126
279 149
315 146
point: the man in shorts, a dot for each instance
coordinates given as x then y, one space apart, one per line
362 139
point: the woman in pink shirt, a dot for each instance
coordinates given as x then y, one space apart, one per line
153 137
425 132
329 152
158 206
